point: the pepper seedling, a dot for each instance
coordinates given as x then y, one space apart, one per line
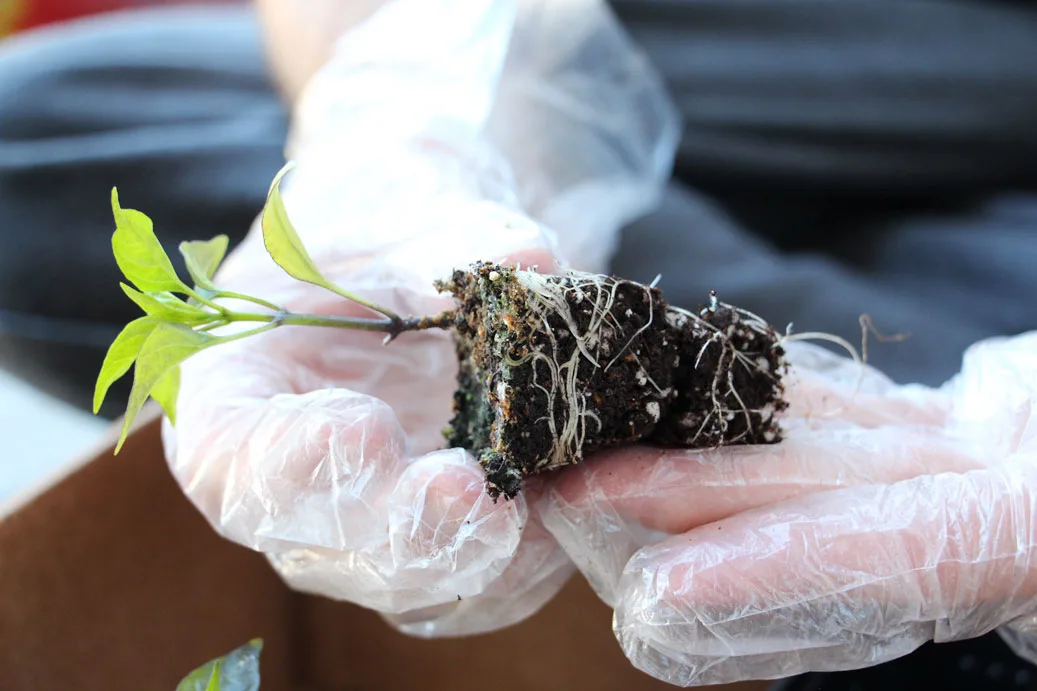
550 367
179 317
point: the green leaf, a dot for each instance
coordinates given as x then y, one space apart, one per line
139 253
204 678
283 243
165 392
203 258
238 671
286 249
166 347
214 680
169 307
121 355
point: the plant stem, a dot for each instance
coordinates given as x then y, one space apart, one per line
256 301
205 301
387 313
250 332
393 327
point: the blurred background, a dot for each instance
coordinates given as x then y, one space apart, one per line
18 15
41 432
21 15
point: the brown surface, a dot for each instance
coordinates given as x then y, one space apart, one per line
568 646
112 581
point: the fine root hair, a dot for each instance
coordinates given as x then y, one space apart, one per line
859 357
722 390
567 412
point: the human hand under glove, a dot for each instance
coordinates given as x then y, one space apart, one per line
419 149
889 517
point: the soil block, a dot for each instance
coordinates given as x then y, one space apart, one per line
554 367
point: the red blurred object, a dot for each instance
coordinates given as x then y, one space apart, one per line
19 15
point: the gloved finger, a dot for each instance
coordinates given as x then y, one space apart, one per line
834 581
320 483
454 565
619 501
325 472
299 447
540 569
445 539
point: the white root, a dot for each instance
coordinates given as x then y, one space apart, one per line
567 441
651 317
663 393
718 417
549 296
741 404
567 416
756 324
861 358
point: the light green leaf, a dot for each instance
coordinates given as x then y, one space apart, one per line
204 678
169 307
286 249
214 680
121 355
166 347
139 253
283 243
203 258
166 391
238 671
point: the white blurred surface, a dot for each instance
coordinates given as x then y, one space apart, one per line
39 435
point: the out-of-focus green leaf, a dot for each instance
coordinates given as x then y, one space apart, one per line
203 258
214 681
238 671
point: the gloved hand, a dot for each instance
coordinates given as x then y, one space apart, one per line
889 517
322 448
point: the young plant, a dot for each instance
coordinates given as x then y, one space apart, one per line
179 317
549 367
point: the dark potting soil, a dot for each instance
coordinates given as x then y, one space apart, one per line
554 367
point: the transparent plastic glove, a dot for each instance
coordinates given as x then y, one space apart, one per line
322 448
888 518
